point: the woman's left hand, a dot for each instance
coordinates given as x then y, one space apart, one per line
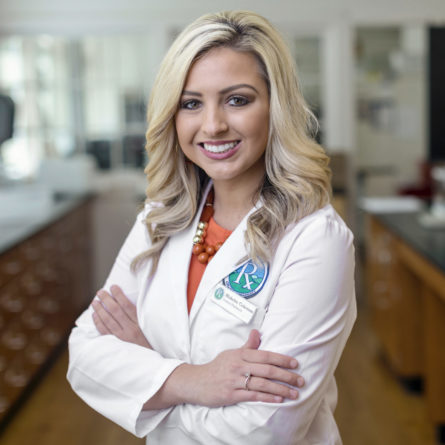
115 314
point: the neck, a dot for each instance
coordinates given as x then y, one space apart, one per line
232 202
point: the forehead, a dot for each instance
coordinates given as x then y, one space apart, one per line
225 66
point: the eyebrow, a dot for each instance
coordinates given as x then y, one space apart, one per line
223 91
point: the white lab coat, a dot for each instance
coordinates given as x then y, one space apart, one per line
306 309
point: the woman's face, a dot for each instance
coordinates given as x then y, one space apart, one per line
223 118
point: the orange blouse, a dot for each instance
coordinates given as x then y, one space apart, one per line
215 234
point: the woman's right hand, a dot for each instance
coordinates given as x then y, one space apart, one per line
224 381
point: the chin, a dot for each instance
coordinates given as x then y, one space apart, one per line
219 176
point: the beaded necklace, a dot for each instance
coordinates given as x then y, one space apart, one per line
203 251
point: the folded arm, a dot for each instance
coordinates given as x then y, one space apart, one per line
226 380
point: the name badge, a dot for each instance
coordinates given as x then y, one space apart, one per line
234 304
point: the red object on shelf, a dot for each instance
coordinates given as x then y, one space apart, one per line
424 188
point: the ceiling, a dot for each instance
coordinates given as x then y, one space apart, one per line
67 16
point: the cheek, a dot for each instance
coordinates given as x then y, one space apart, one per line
257 126
187 128
180 129
184 134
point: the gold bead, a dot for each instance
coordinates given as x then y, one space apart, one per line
201 225
197 239
199 232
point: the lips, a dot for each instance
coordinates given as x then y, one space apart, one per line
220 149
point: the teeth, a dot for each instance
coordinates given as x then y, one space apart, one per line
220 148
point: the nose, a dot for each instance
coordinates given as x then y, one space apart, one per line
214 121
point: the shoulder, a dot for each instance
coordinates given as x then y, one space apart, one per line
139 231
321 232
317 252
323 222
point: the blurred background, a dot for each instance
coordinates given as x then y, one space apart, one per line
75 78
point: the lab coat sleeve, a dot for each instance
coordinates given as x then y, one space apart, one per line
310 317
112 376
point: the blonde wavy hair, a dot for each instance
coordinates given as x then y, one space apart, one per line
297 180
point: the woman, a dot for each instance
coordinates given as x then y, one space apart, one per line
237 265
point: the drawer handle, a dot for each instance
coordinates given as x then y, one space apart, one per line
12 303
384 256
14 339
12 267
17 375
4 402
33 320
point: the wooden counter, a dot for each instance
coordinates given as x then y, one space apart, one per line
44 284
406 291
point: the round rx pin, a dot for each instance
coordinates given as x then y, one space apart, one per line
248 279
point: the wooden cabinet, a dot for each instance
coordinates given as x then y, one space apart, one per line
406 292
395 298
44 284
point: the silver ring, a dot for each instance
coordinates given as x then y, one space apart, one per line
246 382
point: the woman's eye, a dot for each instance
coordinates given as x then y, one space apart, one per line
191 104
238 101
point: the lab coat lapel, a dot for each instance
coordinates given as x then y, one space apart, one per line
225 261
179 255
180 251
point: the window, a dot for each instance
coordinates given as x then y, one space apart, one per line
73 96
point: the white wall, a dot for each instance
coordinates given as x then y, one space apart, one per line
67 16
333 20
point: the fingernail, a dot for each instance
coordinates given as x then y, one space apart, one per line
293 394
293 363
300 381
114 289
278 399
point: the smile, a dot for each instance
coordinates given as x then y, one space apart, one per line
219 148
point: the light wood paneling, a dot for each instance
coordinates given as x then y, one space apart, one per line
411 323
435 355
394 293
429 273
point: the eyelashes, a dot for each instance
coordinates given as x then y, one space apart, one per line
238 101
190 104
234 101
